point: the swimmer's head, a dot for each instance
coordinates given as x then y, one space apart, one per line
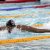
10 23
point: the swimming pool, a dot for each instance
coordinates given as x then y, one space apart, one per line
31 17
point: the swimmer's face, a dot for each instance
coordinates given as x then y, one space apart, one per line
13 23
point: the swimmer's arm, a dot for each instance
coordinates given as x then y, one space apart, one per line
32 29
2 28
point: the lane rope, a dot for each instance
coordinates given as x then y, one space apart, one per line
37 6
20 40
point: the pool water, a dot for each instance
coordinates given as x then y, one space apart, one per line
32 16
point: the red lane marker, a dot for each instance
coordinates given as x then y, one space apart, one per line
42 6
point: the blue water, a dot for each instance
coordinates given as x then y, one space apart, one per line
33 16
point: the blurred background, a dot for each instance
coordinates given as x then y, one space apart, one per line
21 0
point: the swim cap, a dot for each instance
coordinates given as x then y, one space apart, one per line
10 23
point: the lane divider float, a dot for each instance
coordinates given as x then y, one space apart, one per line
37 6
20 40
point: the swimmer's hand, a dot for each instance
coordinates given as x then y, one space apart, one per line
32 29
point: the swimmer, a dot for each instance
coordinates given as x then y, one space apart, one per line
11 24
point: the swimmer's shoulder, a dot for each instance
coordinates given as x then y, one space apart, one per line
3 27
